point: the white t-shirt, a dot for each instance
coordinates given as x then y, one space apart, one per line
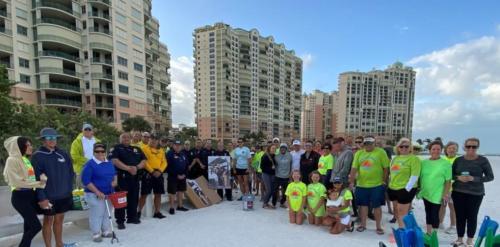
296 158
88 147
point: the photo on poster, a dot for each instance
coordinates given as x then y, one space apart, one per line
219 172
198 191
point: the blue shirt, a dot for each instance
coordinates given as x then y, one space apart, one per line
177 163
242 155
99 173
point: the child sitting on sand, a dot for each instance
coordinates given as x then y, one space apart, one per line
338 208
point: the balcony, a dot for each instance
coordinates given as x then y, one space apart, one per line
104 105
107 61
103 90
59 54
58 6
58 22
107 2
60 71
6 48
102 30
5 31
62 86
101 46
4 13
62 102
102 76
54 38
100 15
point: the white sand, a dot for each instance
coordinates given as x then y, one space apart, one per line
226 224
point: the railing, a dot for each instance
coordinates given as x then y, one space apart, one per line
61 102
100 15
102 75
4 13
105 105
58 85
55 5
5 31
59 54
60 71
102 1
105 60
6 64
101 46
58 39
97 30
59 23
103 90
6 48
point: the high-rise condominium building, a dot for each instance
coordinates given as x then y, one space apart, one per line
99 56
319 115
379 102
245 83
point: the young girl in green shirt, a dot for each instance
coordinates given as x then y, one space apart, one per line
316 194
296 193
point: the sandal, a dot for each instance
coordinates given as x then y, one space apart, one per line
380 231
361 229
457 243
350 228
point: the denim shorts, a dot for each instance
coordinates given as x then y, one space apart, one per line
370 197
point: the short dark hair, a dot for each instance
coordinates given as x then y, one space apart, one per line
99 145
338 140
329 136
359 137
436 142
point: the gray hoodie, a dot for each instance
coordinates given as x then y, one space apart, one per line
283 165
343 162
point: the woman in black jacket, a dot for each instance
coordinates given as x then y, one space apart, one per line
268 166
308 162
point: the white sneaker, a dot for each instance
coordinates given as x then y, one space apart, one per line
441 226
97 238
451 230
107 234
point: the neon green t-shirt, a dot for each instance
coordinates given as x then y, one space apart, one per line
296 191
325 163
433 177
451 160
315 192
256 161
402 168
370 166
346 196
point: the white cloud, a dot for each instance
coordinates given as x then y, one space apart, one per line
498 27
182 86
307 60
458 90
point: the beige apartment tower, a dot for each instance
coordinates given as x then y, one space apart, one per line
245 83
319 115
99 56
379 102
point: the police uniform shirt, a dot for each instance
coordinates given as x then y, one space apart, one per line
128 155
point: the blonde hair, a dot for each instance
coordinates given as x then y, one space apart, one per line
400 142
450 143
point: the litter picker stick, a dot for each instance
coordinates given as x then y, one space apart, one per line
113 235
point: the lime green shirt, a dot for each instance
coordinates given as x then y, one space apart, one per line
434 175
325 163
370 166
451 160
402 168
296 191
315 192
346 196
256 161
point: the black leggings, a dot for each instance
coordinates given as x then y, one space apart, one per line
25 202
466 210
283 183
432 213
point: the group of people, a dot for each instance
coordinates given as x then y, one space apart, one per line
327 182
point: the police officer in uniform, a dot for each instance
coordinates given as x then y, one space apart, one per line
128 160
177 170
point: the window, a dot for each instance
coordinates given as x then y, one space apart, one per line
124 116
139 80
136 13
120 18
124 103
138 67
21 46
25 78
138 54
123 89
21 14
136 40
22 30
25 63
121 46
122 75
137 27
121 33
139 94
122 61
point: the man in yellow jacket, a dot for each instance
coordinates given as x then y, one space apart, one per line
82 150
153 179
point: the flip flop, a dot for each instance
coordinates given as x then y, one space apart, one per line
361 229
351 227
380 231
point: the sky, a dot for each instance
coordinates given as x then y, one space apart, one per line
453 45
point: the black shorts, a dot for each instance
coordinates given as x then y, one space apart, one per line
175 185
402 196
241 172
150 183
59 206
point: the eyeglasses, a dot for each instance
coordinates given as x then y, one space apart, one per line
368 143
99 151
404 146
471 147
50 138
87 129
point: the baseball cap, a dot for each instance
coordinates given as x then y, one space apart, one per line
178 142
276 139
48 132
283 145
369 139
327 146
87 126
296 142
337 180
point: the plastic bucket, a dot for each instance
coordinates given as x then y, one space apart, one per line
118 199
248 202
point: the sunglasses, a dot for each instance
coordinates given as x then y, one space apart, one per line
471 147
368 143
99 151
87 129
145 136
50 138
358 142
404 146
